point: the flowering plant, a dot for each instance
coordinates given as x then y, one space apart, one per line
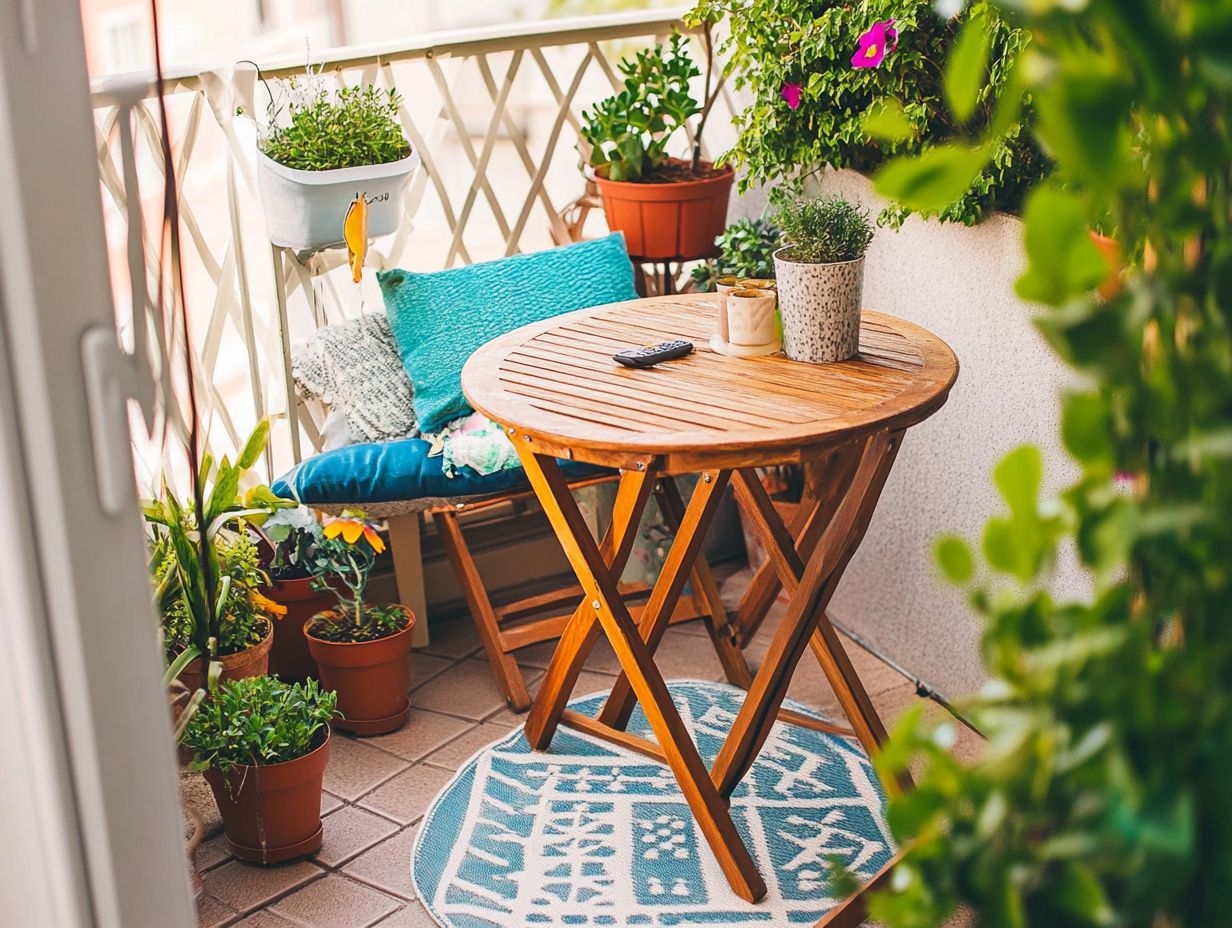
349 547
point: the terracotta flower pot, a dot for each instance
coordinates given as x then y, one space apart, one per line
289 657
676 221
272 813
1110 251
253 661
820 305
371 678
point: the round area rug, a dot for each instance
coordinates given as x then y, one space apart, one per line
592 834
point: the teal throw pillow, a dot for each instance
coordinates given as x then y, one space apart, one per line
440 319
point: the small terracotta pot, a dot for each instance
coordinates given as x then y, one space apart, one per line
253 661
289 657
668 222
371 678
272 813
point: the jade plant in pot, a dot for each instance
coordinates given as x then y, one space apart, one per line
297 565
208 595
262 745
667 208
320 150
820 274
361 649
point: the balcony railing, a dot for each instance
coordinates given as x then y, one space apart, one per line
495 116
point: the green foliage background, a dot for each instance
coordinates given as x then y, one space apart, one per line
1103 796
857 118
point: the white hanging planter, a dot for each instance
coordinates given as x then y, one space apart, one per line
820 305
304 210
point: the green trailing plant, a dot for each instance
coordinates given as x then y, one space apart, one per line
349 550
211 609
258 721
780 51
1102 796
352 127
746 249
629 132
824 230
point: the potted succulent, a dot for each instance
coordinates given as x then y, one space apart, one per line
209 595
667 208
262 745
295 563
330 148
361 649
820 274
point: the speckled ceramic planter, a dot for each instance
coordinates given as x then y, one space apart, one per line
820 305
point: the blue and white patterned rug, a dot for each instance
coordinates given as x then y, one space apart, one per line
589 834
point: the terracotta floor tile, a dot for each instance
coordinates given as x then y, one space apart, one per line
455 639
335 902
405 798
350 831
412 915
246 887
425 666
213 852
601 660
687 657
355 768
329 802
213 912
387 866
422 734
457 752
467 690
264 919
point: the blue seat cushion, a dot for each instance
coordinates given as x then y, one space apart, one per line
396 471
440 319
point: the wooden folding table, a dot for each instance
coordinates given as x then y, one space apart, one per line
556 390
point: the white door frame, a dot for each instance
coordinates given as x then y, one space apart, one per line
88 797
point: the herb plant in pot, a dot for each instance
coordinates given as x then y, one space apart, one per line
330 148
668 209
262 745
361 649
820 274
296 564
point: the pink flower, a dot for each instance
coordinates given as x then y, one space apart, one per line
791 93
880 40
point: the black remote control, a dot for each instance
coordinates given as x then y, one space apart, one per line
648 357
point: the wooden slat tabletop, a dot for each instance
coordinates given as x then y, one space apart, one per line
555 383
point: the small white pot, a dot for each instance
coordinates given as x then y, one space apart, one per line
820 305
304 210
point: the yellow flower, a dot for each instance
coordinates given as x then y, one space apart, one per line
352 529
265 604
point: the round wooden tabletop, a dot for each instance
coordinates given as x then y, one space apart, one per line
554 384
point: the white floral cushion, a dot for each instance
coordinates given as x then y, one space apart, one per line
354 369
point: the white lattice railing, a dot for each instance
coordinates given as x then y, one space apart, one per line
494 115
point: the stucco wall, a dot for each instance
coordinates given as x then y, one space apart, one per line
958 282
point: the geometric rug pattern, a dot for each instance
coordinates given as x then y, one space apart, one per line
592 834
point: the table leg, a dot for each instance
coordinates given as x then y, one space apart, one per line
680 753
812 589
679 564
582 631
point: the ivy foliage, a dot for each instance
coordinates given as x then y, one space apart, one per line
1102 797
859 117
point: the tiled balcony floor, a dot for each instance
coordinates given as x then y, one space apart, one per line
377 789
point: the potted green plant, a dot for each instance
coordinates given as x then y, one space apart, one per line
208 596
667 208
262 745
296 564
746 251
329 148
361 649
820 274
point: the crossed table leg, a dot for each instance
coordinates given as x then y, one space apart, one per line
808 565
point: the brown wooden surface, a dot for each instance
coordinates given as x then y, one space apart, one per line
555 384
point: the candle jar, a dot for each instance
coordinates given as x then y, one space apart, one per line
724 286
751 325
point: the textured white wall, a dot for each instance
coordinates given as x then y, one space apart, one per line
959 283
